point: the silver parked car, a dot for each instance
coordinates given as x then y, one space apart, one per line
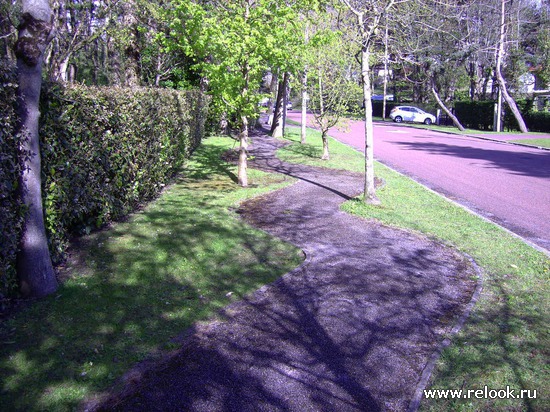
411 114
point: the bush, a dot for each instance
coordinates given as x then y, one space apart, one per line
10 208
479 115
378 107
475 114
509 121
538 121
105 151
535 121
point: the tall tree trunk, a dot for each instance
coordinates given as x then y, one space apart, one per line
323 123
274 92
243 153
132 49
277 129
303 131
455 120
243 136
326 154
502 83
34 266
370 191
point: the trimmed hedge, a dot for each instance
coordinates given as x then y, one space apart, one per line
475 114
479 115
538 121
10 208
105 151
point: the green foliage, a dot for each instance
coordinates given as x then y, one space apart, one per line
538 121
475 114
331 88
10 169
134 287
105 151
233 46
479 115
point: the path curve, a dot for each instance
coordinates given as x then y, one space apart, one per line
351 329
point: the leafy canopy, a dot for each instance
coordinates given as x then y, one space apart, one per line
233 43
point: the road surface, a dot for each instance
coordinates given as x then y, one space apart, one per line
509 184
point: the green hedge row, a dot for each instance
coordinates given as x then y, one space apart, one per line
479 115
10 208
475 114
538 121
107 150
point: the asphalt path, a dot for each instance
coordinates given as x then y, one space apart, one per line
357 327
508 184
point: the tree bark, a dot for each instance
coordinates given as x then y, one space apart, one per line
501 82
242 174
455 120
132 51
326 154
277 129
370 190
303 132
34 267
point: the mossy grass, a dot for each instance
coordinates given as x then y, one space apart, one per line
131 288
506 340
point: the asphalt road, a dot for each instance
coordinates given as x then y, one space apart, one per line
506 183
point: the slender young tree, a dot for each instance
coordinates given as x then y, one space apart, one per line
303 128
331 87
368 15
34 266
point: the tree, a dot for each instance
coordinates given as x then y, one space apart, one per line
498 69
429 38
331 86
233 44
34 266
368 15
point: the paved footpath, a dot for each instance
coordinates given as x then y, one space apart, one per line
352 329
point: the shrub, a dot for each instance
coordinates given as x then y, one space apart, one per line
509 121
105 151
378 107
10 208
538 121
475 114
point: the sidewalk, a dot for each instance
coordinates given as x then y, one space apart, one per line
356 327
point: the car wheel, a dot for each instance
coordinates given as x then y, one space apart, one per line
398 119
428 121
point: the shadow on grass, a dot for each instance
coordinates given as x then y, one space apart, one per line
132 289
502 346
333 337
208 163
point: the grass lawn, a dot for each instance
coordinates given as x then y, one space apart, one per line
534 142
131 288
506 340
